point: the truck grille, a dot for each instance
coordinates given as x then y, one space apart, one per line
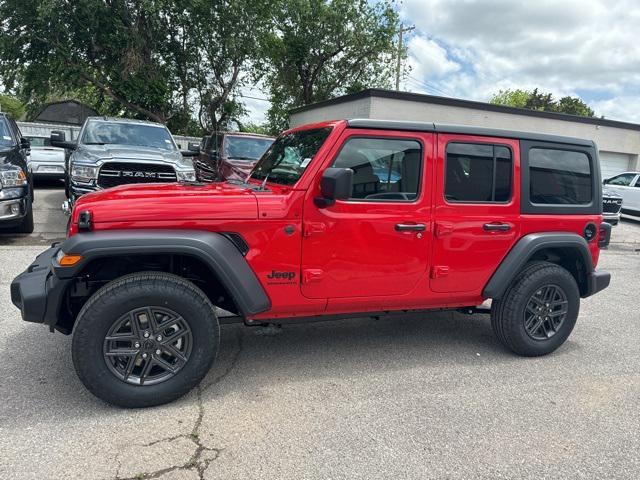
611 205
113 174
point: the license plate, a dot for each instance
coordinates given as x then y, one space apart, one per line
50 169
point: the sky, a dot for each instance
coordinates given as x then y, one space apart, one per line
470 49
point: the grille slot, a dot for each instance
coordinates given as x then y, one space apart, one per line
113 174
611 205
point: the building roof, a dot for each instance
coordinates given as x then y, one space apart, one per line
456 102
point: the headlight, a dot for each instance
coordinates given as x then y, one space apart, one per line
81 173
187 176
15 177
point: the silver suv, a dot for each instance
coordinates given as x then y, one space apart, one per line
117 151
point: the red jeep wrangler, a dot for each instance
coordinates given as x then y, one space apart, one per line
338 219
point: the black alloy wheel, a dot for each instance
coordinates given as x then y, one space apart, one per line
147 345
545 312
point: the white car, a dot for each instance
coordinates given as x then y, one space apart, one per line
46 161
627 185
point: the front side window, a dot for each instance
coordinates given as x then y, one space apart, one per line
383 168
101 132
559 177
623 180
289 156
478 172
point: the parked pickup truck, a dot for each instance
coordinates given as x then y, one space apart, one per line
338 219
118 151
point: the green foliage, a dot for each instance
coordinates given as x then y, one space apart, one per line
183 63
12 106
262 129
319 49
534 100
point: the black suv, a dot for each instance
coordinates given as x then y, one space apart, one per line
16 182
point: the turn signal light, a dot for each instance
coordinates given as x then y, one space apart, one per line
67 260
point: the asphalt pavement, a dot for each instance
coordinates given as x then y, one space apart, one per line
427 396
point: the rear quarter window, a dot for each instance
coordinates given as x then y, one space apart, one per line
559 177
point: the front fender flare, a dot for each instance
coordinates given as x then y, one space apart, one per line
216 251
524 249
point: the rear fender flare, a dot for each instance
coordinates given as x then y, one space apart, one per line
524 250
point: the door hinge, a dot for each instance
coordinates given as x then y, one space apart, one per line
443 228
311 228
439 271
312 275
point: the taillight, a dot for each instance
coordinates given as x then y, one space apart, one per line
604 235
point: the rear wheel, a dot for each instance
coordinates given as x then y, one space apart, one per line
538 311
145 339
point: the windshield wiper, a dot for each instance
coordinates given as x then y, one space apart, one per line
241 158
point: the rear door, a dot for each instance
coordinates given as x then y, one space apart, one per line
376 243
477 210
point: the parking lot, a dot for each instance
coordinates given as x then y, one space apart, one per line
430 396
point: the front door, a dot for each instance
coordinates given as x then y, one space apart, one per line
477 210
377 242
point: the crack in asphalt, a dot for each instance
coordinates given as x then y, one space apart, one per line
195 461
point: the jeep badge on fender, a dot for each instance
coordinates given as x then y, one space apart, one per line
378 217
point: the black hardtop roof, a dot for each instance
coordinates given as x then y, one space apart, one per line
463 129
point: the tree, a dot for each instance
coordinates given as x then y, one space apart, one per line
535 100
322 48
163 60
12 106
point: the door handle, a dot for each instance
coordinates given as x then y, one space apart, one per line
410 227
496 227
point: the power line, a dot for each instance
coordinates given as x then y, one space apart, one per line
255 98
429 86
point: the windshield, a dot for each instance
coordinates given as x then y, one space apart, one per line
100 132
6 140
246 148
289 156
39 141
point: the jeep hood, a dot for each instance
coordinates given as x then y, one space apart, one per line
163 202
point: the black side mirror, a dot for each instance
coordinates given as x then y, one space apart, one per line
194 147
59 139
606 181
25 143
335 184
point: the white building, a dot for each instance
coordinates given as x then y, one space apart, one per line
618 142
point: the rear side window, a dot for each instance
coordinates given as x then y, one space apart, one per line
478 172
384 169
559 177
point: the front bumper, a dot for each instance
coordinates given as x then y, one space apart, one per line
13 205
597 281
43 169
612 218
38 291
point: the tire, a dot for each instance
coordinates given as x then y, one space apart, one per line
512 317
26 225
159 294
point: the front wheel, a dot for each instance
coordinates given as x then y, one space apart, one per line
538 311
145 339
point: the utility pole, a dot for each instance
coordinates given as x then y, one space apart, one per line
403 29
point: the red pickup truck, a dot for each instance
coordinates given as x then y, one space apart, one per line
338 219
